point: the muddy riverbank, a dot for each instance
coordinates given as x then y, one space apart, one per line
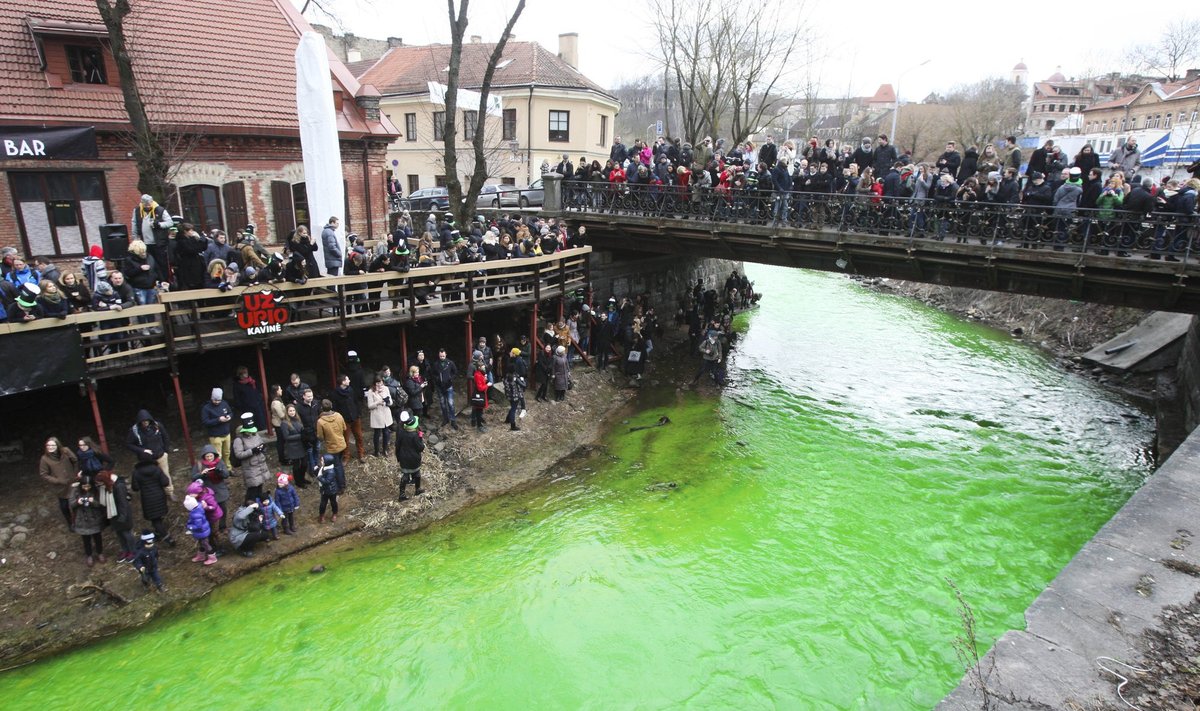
50 601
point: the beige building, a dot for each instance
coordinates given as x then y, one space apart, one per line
548 108
1155 106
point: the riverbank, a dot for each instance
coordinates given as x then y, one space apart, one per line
51 602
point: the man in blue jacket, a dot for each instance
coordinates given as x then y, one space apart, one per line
216 416
781 179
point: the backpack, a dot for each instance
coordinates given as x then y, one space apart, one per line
397 393
908 185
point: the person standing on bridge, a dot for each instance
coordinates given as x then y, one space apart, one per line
332 247
150 223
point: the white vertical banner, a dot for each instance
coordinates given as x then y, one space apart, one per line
319 140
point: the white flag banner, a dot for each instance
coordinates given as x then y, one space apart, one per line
319 139
467 100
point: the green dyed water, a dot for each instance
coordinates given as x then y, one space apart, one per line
868 449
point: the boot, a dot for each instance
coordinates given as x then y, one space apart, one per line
211 559
198 558
321 518
292 528
513 427
333 519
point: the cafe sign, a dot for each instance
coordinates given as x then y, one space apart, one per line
261 313
28 143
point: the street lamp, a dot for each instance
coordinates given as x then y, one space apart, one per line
896 110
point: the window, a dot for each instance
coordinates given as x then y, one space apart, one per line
410 127
508 181
1193 116
470 124
439 181
57 212
281 205
234 196
510 125
1124 123
87 64
201 205
1103 126
603 131
439 125
414 184
1072 108
560 126
1167 121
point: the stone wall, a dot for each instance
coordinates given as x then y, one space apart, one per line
1187 379
666 278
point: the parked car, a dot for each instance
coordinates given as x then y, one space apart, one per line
497 196
431 199
531 196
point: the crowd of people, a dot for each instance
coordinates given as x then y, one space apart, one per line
784 183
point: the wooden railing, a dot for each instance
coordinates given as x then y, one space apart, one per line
202 319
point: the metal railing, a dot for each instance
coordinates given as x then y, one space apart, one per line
1116 232
198 320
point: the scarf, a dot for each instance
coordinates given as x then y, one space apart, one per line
53 298
144 212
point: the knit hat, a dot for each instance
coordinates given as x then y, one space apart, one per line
515 352
189 502
327 460
147 536
477 355
95 251
217 394
248 423
103 288
283 480
352 354
561 350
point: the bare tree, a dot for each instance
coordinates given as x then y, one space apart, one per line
986 110
726 69
461 208
1175 49
148 153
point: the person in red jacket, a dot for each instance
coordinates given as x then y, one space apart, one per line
479 398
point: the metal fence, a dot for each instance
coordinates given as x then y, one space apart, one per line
1116 232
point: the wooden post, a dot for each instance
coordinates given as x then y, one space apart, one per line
404 348
91 388
262 378
187 434
470 339
332 359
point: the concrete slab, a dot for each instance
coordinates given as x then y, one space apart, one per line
1114 589
1157 332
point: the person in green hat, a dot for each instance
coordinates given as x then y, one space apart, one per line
410 443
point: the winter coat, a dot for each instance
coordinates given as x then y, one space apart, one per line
190 262
381 412
198 525
1127 162
1066 198
331 481
93 461
331 247
123 502
247 397
409 445
89 516
140 278
309 414
154 486
254 463
444 372
217 250
969 166
562 372
212 508
331 430
210 415
480 385
345 404
60 471
215 475
246 519
287 498
412 387
153 438
292 433
1086 161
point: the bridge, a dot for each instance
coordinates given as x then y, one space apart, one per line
1107 257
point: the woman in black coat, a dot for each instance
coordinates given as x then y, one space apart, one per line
1086 159
122 521
302 243
189 258
291 432
155 488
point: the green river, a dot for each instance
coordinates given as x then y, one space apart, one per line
867 449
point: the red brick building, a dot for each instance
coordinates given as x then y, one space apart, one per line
219 82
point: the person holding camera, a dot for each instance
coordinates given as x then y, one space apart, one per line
379 404
88 513
248 450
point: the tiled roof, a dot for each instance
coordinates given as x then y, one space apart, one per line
200 63
406 70
884 94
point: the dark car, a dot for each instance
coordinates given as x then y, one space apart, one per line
429 199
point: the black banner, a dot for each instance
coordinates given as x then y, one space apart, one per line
40 359
25 143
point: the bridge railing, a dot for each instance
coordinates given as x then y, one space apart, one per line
201 319
1118 232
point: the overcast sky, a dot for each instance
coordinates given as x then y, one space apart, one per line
963 41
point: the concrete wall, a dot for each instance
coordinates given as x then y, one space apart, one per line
665 278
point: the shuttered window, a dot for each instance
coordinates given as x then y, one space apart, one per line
234 195
281 206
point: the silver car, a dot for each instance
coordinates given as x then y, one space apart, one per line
532 196
497 196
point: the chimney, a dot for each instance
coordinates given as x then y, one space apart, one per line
568 48
476 39
394 42
353 55
1192 74
368 100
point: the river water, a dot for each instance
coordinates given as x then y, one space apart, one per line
786 543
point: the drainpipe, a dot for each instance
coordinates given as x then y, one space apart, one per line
367 191
529 136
